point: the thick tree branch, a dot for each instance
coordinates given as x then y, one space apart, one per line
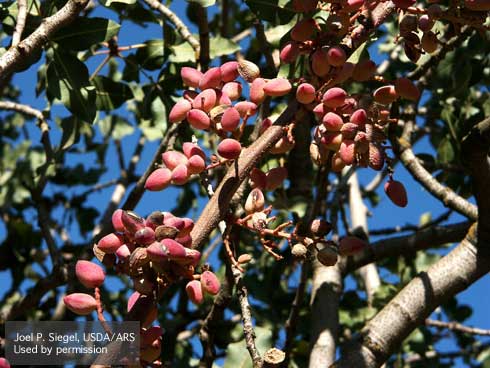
325 298
15 57
358 213
217 206
423 239
450 275
374 18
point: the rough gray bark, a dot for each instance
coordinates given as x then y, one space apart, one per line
358 214
13 59
432 237
325 295
464 265
415 302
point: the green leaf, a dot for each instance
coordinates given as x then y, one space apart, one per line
71 132
182 53
150 132
116 126
78 174
445 151
237 355
298 204
85 32
110 94
152 56
86 219
357 55
275 34
219 46
68 82
203 3
273 11
424 260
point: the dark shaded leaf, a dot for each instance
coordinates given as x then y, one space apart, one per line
85 32
271 10
68 82
203 3
110 94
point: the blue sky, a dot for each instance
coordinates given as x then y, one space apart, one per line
385 215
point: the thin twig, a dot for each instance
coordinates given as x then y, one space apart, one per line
424 70
265 48
248 329
242 35
100 66
208 326
444 194
399 229
430 355
137 192
455 326
178 23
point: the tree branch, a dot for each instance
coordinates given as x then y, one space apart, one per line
265 48
208 327
358 213
58 277
177 22
202 21
450 275
455 326
423 239
216 208
325 298
136 193
248 328
475 152
21 22
15 57
419 173
23 109
374 18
